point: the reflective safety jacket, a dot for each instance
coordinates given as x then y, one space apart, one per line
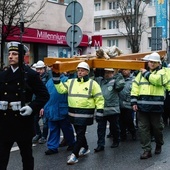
84 96
148 90
167 71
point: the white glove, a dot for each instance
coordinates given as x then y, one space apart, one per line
15 105
3 105
25 111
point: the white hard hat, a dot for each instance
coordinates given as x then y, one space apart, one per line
34 65
83 65
40 64
154 57
146 57
109 69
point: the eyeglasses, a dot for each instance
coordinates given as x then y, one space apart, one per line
12 53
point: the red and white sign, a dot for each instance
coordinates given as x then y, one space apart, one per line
96 41
44 36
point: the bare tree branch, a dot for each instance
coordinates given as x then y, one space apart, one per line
10 17
131 13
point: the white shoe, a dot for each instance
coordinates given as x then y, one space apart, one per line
72 159
83 152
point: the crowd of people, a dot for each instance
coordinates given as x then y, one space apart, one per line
69 102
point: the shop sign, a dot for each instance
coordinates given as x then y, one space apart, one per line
32 35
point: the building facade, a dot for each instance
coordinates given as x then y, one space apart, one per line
47 36
107 16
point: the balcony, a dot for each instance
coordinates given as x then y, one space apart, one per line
106 13
113 13
111 32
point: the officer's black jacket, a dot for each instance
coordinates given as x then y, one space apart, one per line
13 126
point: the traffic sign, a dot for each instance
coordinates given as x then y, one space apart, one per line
74 36
74 12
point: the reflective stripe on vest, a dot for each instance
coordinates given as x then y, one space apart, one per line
151 102
80 115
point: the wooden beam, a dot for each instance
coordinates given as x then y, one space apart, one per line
138 56
119 64
133 56
128 61
49 61
66 66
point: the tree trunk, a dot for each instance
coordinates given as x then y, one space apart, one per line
2 50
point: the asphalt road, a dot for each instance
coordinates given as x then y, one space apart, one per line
125 157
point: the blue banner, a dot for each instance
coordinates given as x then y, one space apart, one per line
161 16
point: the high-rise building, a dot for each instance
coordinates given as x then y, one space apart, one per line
108 23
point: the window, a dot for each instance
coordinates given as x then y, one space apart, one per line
149 42
152 3
65 2
130 4
112 42
97 26
97 6
113 24
152 21
128 44
113 5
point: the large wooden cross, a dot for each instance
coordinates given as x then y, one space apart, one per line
128 61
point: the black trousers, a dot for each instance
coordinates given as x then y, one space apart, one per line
25 147
114 129
80 139
126 122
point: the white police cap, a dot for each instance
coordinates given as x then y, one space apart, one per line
13 46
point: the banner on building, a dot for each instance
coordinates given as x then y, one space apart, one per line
161 16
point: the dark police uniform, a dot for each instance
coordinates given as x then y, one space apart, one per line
13 126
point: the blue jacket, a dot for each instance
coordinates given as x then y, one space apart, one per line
57 106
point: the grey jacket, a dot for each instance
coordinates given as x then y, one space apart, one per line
125 93
110 89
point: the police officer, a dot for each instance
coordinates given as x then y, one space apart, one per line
147 97
16 120
84 96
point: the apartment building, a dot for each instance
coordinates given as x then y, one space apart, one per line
107 23
47 36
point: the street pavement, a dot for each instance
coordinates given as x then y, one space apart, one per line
125 157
